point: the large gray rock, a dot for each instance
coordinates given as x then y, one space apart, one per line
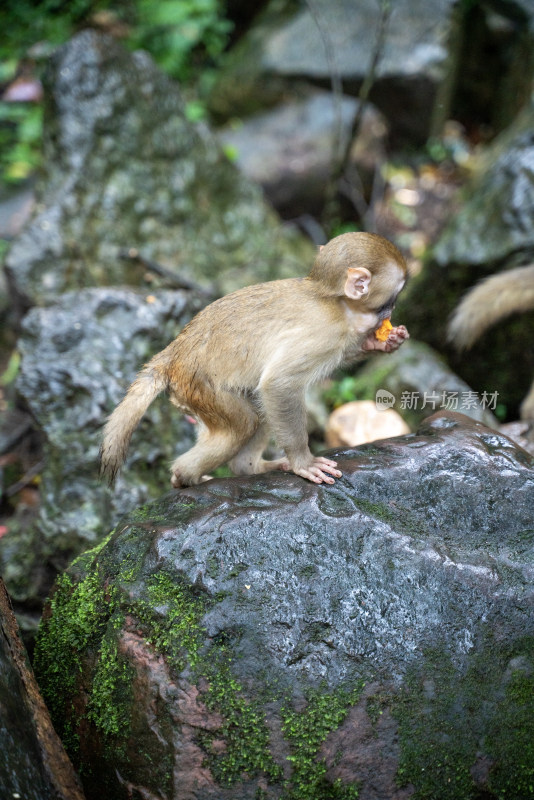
289 150
217 645
337 38
125 169
78 358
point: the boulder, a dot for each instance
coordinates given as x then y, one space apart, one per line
266 637
522 432
125 169
498 208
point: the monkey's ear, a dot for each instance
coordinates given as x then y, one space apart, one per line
357 282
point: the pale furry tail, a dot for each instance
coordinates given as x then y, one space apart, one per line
508 292
125 419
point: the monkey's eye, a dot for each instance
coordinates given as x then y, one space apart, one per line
386 307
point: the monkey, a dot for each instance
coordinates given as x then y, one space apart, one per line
242 365
496 297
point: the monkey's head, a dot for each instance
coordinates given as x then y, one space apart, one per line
362 267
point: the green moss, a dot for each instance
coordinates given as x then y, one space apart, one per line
237 569
403 519
111 694
375 706
308 571
244 729
161 511
379 511
172 615
449 715
511 740
79 614
306 731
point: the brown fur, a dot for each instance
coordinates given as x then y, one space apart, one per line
242 365
508 292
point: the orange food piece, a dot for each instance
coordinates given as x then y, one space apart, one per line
383 331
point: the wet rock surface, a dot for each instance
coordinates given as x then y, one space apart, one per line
270 638
126 169
78 358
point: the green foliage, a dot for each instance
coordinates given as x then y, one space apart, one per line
340 391
47 24
195 111
20 140
25 23
185 38
182 35
12 369
362 386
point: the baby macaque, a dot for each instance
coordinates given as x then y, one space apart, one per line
242 365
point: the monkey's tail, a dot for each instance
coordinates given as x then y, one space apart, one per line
125 419
508 292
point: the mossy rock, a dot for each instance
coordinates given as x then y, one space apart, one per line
125 170
267 638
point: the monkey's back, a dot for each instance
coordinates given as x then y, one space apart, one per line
232 341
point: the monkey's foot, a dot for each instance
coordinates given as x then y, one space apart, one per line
320 470
179 482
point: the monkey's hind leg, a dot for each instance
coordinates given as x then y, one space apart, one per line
249 460
231 424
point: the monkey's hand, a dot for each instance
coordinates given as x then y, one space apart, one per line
396 337
319 470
